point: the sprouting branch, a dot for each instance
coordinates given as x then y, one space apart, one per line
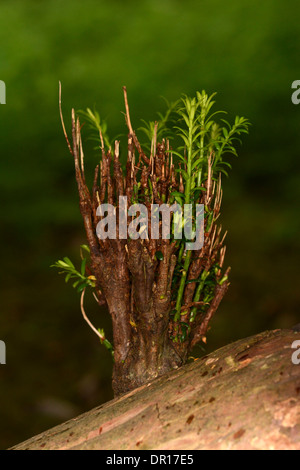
161 295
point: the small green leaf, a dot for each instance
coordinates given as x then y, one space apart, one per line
69 262
81 287
61 264
177 193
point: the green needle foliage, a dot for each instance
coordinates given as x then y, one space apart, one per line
202 138
96 126
159 129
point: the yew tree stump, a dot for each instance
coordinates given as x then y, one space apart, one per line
244 396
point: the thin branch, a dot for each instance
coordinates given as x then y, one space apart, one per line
62 120
128 121
100 302
102 338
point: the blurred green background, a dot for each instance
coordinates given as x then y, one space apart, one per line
246 51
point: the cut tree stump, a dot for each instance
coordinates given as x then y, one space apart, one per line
244 396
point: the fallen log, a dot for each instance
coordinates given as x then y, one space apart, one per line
244 396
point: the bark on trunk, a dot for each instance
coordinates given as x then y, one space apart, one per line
243 396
